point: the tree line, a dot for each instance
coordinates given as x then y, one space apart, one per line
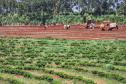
41 10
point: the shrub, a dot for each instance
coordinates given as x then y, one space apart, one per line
44 77
124 81
28 61
20 68
75 44
72 63
14 81
119 63
80 69
49 38
56 43
118 77
2 60
41 64
94 72
48 78
101 74
30 68
43 42
57 62
66 66
88 81
28 75
1 78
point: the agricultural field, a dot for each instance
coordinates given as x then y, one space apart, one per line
26 60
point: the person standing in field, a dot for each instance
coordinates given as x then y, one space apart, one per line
98 27
46 26
117 26
64 26
93 26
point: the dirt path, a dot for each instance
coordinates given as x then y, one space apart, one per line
75 32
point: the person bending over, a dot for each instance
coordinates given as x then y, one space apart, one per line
68 27
46 26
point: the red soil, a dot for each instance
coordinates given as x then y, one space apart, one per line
75 32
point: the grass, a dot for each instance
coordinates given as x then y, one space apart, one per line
22 52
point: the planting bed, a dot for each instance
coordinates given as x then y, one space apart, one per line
75 32
25 60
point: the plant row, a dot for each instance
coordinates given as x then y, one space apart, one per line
109 75
100 65
102 74
61 74
27 74
75 68
10 80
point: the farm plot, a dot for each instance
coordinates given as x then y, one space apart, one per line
51 60
75 32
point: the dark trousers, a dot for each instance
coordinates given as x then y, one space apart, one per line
117 26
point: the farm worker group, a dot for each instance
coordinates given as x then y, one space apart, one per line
67 27
112 25
100 25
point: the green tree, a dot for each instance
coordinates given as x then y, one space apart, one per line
105 7
124 6
116 5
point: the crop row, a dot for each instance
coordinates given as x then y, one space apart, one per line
114 63
10 80
109 75
100 65
27 74
61 74
75 68
12 61
103 74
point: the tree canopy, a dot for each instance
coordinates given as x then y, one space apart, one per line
43 9
58 7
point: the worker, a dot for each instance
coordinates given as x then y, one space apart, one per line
68 26
64 26
98 27
93 26
117 26
46 26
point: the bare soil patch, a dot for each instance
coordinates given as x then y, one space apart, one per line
75 32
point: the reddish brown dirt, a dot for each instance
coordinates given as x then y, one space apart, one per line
75 32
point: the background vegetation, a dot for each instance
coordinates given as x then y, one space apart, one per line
41 12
